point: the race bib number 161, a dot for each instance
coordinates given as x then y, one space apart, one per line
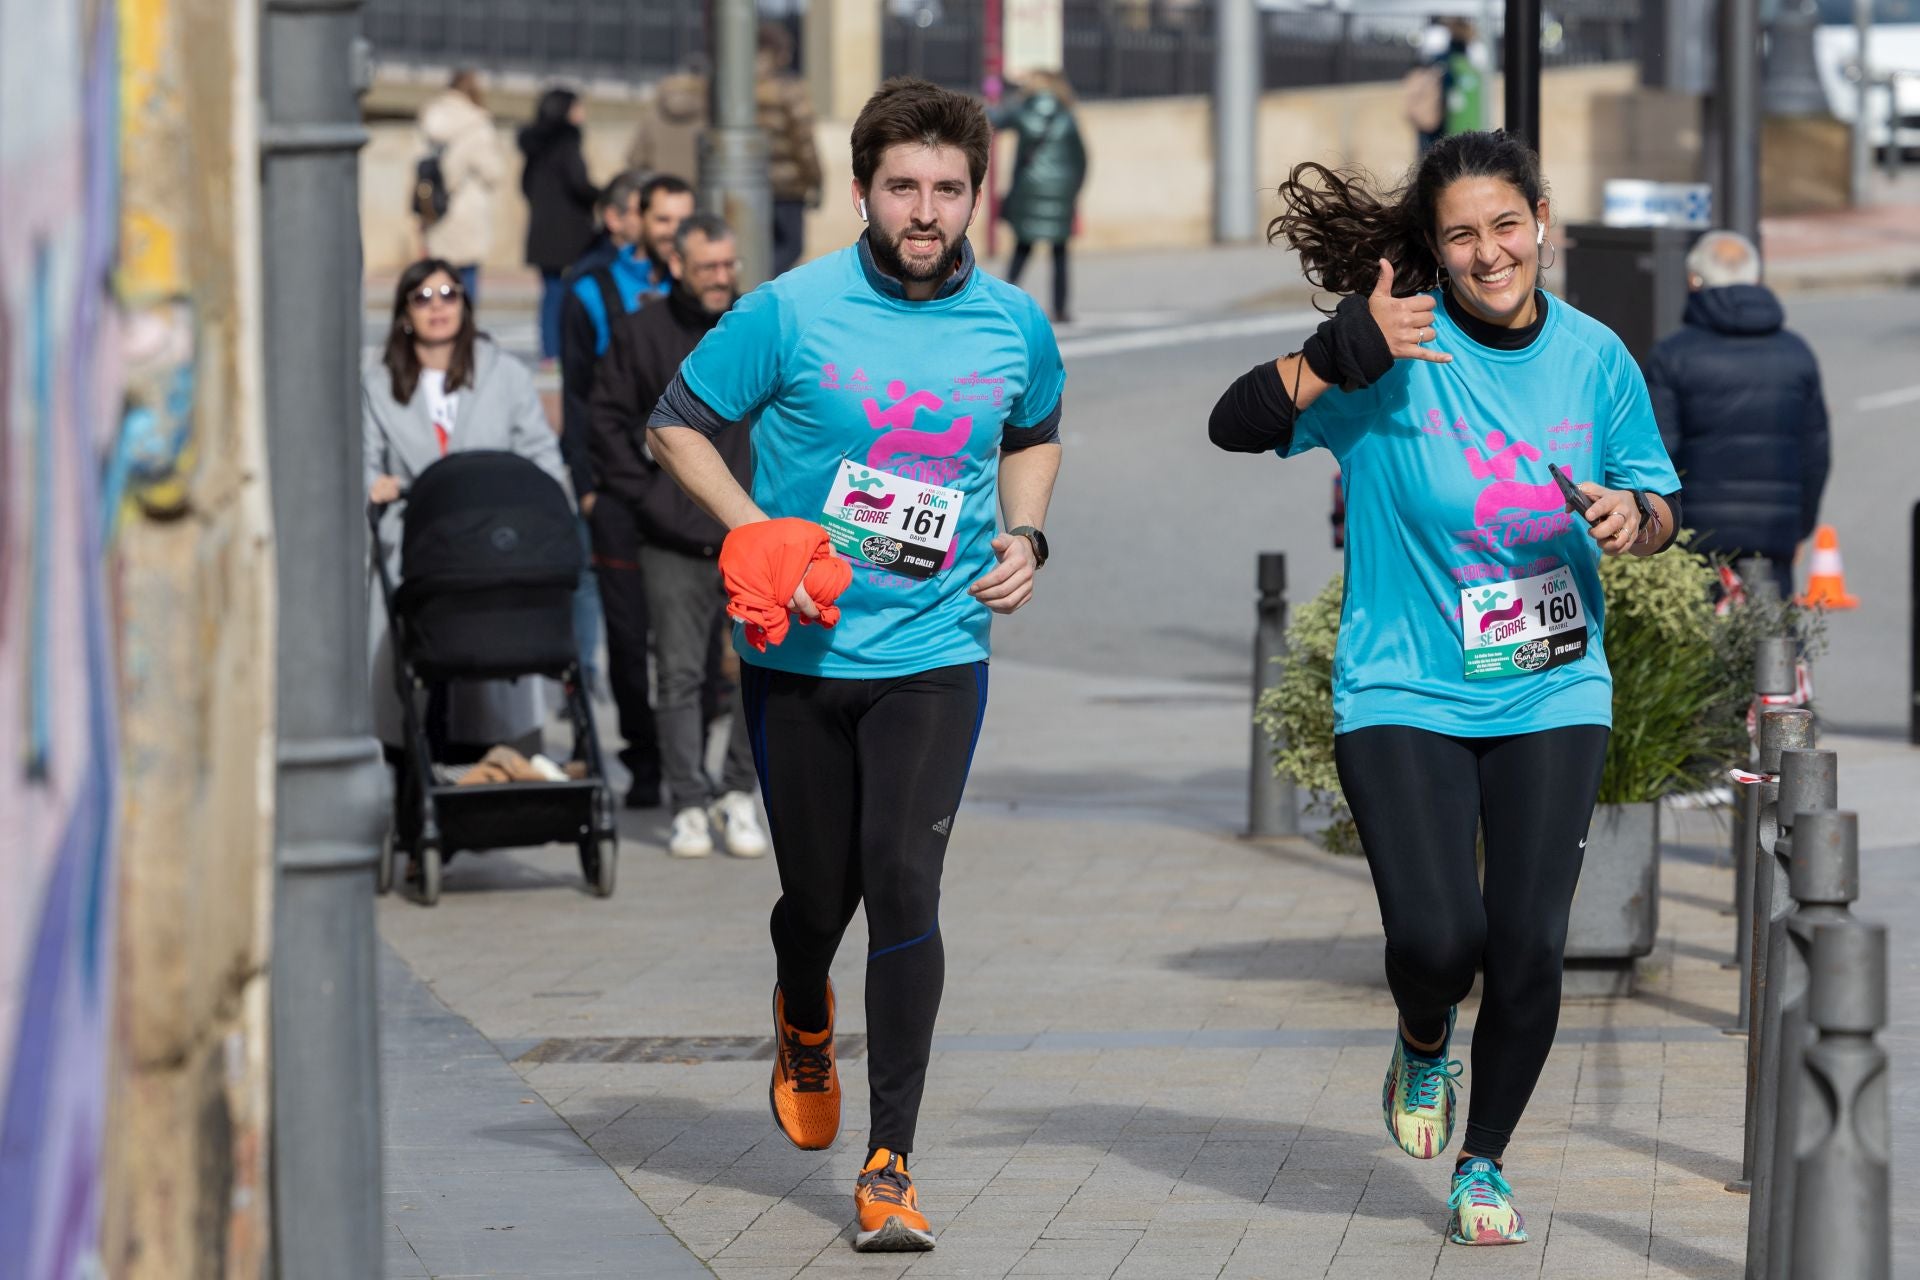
891 521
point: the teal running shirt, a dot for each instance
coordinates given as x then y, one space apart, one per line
1473 601
881 419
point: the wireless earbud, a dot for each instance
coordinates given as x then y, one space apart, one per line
863 211
1539 236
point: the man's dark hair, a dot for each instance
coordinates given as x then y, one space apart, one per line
908 110
625 185
710 225
663 184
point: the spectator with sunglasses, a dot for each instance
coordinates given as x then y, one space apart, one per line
439 386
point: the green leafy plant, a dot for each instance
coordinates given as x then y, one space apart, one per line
1682 681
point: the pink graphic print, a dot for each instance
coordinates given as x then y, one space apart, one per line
900 443
1505 492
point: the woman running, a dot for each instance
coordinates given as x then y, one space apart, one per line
1471 690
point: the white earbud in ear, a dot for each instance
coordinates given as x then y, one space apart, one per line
863 211
1540 236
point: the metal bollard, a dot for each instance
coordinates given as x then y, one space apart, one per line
1270 803
1809 782
1780 730
1842 1211
1773 676
1825 876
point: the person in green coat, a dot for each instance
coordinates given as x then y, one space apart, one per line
1049 167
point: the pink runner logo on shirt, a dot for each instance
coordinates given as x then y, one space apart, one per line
931 457
1509 511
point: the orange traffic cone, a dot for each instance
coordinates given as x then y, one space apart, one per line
1827 580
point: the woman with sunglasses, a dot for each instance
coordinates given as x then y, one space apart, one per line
438 386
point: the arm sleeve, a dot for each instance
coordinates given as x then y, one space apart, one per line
1255 414
1634 456
680 407
373 442
1665 400
619 413
736 369
1816 453
578 183
576 381
532 435
1046 374
1047 431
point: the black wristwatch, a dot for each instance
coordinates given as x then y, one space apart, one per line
1647 519
1037 540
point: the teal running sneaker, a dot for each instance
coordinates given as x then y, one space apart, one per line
1417 1098
1483 1208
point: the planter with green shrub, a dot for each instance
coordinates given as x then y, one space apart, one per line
1682 682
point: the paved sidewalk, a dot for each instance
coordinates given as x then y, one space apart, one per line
482 1178
1161 1046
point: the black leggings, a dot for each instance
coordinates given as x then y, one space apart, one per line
1022 250
861 779
1418 798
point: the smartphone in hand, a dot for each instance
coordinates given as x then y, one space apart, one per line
1577 501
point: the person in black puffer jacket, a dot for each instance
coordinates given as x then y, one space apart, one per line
560 200
1738 400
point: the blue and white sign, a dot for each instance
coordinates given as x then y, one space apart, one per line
1635 202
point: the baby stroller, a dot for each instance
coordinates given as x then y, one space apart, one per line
489 561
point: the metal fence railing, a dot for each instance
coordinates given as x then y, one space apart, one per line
1113 48
634 40
1129 49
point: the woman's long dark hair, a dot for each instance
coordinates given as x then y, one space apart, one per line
402 361
1341 227
550 121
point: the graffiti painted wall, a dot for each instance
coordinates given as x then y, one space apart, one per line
59 409
136 645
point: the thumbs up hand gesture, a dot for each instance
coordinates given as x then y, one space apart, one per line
1406 323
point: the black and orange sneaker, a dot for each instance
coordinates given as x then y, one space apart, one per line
890 1217
805 1093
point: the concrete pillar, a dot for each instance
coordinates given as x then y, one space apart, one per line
843 44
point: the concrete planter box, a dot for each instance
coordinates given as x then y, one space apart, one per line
1616 908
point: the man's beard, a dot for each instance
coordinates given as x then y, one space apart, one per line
886 256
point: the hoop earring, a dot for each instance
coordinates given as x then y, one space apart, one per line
1440 276
1552 256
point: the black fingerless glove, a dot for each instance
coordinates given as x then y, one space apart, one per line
1348 350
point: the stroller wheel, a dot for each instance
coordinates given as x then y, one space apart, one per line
383 869
427 862
599 860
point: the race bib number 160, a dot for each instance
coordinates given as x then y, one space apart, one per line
1523 628
891 521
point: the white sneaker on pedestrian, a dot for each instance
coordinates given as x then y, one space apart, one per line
690 836
739 824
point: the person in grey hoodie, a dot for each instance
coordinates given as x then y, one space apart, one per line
455 125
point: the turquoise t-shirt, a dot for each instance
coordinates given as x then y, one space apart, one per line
1445 467
833 368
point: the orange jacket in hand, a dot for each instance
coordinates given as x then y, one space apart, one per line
763 563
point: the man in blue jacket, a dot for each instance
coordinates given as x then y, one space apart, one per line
1737 397
599 295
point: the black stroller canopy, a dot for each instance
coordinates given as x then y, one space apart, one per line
488 517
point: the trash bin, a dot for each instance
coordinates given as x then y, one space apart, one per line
1631 279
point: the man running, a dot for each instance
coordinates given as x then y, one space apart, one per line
899 396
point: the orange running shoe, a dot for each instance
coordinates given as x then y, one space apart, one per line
890 1218
805 1093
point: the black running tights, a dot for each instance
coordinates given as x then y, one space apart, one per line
1418 798
861 780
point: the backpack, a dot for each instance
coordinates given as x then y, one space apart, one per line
429 189
1422 96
